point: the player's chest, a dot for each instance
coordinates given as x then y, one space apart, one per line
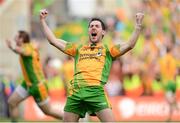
89 54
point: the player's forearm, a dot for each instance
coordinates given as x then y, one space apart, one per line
58 43
16 49
132 41
48 33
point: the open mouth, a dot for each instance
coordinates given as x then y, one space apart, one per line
93 34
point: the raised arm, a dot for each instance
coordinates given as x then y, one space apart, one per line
132 41
15 48
58 43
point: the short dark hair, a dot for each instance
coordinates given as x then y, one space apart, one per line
24 35
98 19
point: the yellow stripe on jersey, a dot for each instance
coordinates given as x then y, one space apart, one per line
37 67
43 91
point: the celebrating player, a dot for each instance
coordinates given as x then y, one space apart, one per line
34 83
92 66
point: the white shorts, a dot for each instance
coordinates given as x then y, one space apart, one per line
23 93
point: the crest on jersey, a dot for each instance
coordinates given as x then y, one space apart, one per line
99 52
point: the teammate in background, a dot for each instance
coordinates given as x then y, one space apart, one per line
34 83
67 71
92 66
168 73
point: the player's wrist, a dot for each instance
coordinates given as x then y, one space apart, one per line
42 19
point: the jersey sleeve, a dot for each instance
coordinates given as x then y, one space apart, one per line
114 50
70 49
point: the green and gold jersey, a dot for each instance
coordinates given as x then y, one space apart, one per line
30 65
92 63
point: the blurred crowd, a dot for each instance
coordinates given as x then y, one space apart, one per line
142 72
155 60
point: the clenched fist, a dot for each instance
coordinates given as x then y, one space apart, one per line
43 14
139 18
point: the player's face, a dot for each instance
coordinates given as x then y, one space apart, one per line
95 31
18 40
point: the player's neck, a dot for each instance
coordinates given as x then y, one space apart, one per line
94 43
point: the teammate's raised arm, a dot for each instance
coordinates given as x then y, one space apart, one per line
58 43
132 41
15 48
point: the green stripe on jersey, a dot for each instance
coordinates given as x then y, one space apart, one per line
107 67
28 65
